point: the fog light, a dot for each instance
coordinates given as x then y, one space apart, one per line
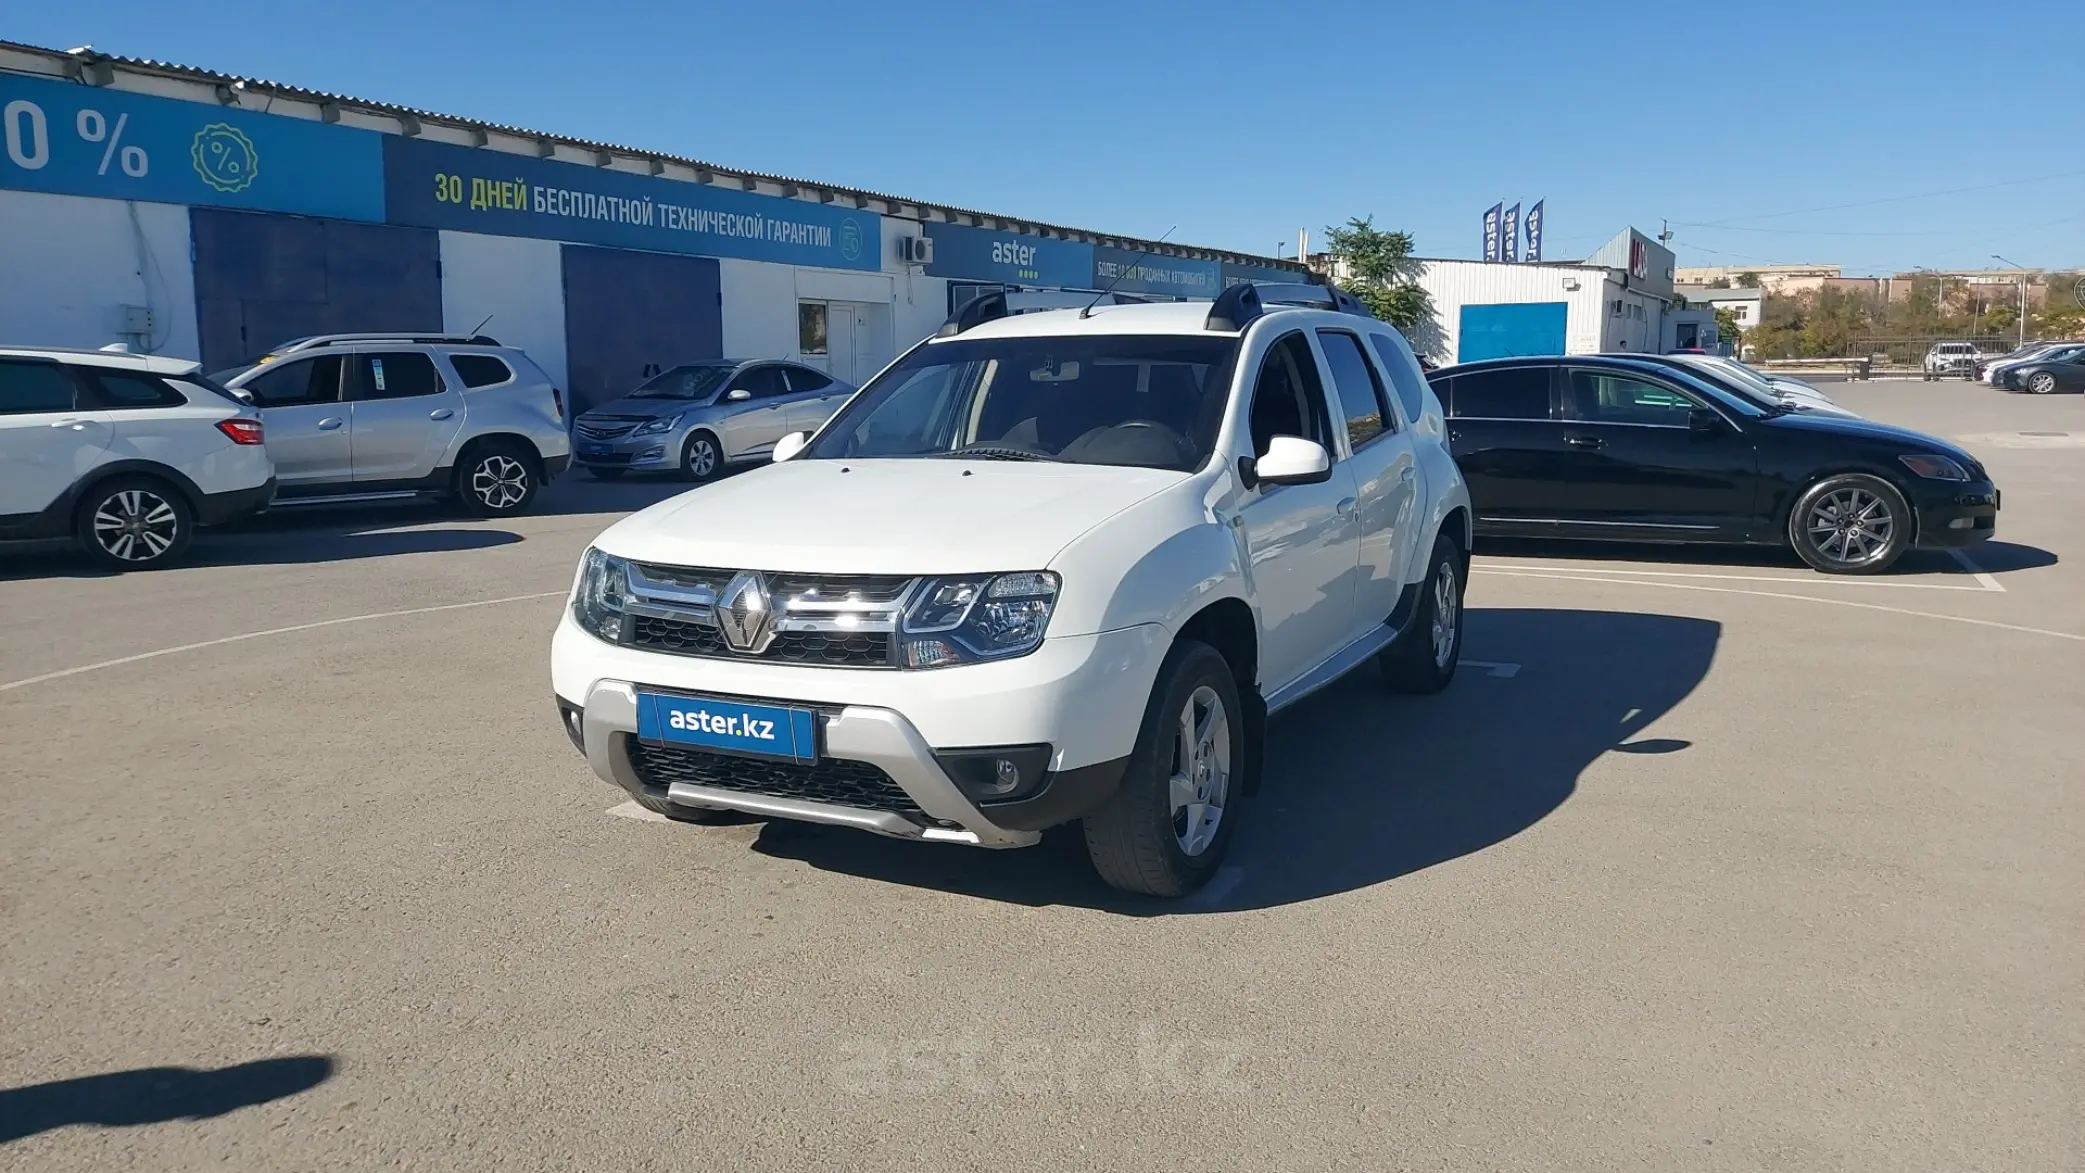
1961 523
999 774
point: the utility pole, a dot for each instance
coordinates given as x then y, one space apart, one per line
1664 232
2023 295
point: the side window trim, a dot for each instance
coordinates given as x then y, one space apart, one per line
79 391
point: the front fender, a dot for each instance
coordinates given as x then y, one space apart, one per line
1159 562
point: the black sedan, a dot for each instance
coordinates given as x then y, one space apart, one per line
1625 449
2057 370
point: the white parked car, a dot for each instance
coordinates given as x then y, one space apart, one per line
126 453
1046 568
1951 358
372 417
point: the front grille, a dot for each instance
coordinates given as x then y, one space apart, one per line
687 576
858 785
831 649
866 588
603 429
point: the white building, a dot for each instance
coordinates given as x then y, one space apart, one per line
1743 303
1615 301
207 216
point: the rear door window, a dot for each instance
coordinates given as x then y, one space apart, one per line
28 386
400 374
806 379
119 390
1515 393
1405 377
1361 396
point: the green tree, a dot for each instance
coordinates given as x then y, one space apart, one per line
1377 267
1749 279
1727 326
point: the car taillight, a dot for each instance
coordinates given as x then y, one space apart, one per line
557 400
241 431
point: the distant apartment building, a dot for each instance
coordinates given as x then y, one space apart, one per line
1779 279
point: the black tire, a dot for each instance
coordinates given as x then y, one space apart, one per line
605 474
1853 523
693 465
1138 842
1419 661
682 814
134 523
498 478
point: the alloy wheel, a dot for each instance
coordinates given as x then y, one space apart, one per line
2042 383
1851 526
1201 780
500 482
136 525
1447 612
702 457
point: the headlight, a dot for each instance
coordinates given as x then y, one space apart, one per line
961 620
603 591
1935 468
657 426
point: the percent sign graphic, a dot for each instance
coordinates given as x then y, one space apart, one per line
94 128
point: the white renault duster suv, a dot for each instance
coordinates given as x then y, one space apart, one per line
1044 569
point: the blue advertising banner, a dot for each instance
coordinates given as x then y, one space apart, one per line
1509 235
94 141
1491 231
1234 274
983 254
1127 271
1534 229
441 185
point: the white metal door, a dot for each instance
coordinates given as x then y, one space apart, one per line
840 321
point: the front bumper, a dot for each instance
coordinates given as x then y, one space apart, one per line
1961 516
1084 696
659 450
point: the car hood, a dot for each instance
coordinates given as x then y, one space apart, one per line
1849 425
918 516
630 407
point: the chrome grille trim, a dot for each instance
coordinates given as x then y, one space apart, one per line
805 605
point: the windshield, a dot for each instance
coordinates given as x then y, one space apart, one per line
699 381
1147 401
1726 389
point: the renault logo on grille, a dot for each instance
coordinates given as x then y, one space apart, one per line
745 613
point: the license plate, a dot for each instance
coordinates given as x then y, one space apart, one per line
593 449
766 731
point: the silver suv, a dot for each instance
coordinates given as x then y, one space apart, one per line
699 417
361 417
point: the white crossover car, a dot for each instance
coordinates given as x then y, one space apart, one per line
127 453
1047 568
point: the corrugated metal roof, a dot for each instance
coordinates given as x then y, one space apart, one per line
74 62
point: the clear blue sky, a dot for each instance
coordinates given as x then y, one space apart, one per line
1132 116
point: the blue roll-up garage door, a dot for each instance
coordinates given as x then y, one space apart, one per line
261 280
1511 331
629 315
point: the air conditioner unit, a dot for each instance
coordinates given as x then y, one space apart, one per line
915 250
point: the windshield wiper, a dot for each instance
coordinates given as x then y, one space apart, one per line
991 452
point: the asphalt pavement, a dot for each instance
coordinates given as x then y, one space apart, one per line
1704 862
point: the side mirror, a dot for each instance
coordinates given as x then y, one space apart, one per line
737 395
1703 422
244 395
1292 460
790 445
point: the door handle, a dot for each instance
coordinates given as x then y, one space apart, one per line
329 423
440 413
1346 505
1585 442
75 425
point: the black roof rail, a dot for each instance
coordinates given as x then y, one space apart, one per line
975 312
1236 307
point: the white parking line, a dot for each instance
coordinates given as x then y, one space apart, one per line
1990 584
233 639
1984 581
1502 671
1688 586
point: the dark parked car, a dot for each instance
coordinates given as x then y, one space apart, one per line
1625 449
2056 370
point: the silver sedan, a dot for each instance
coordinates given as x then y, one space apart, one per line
700 417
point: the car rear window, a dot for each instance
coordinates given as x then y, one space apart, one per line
480 370
121 390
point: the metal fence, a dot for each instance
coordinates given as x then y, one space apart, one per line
1911 352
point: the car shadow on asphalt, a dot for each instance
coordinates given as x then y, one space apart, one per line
279 546
1992 557
1363 786
155 1095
